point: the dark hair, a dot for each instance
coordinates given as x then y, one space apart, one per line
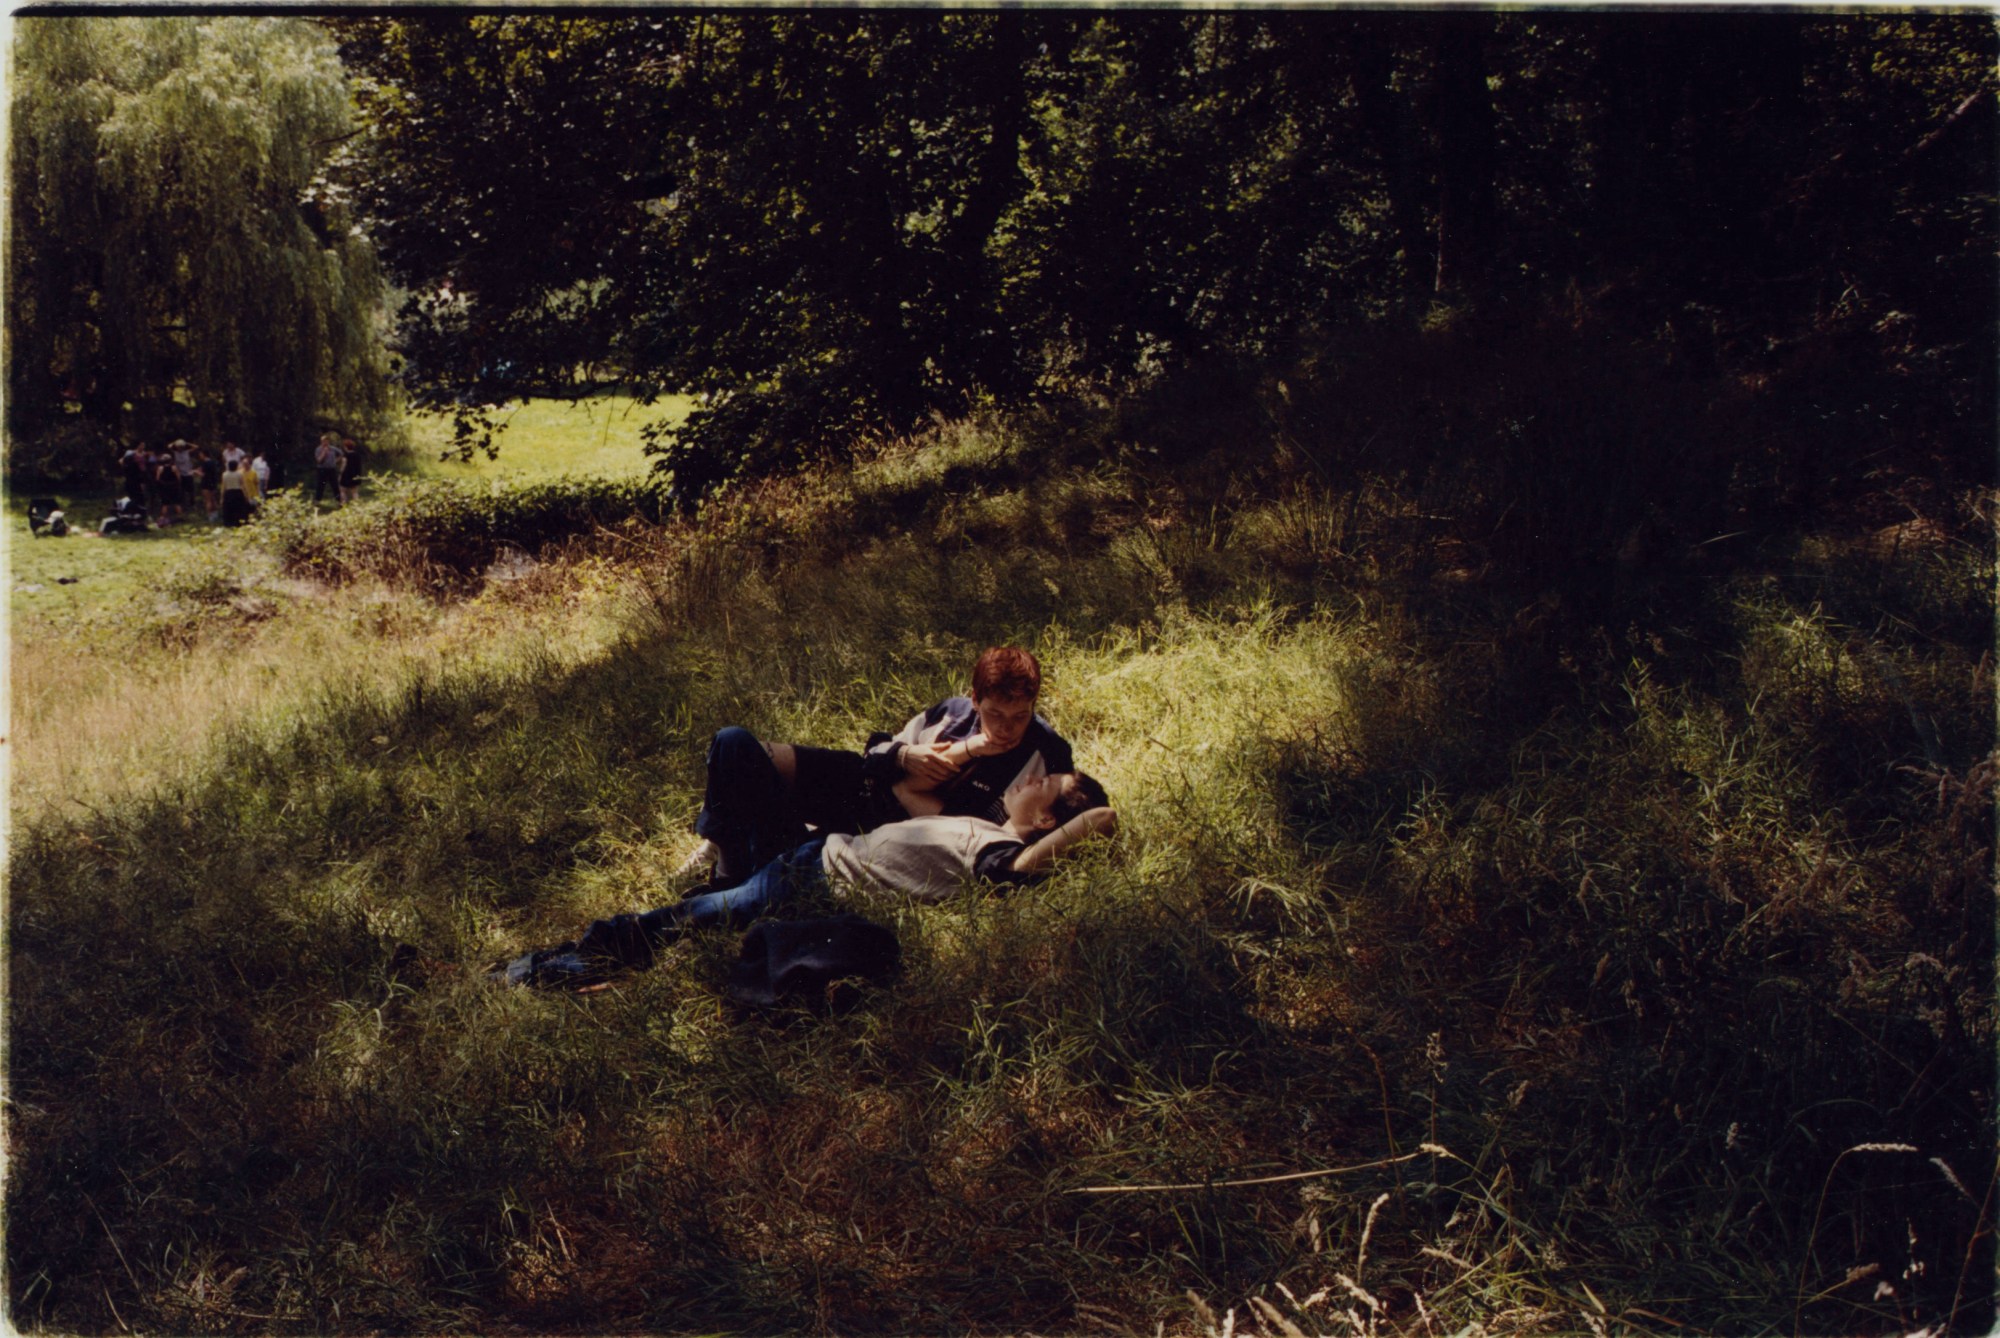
1006 672
1088 794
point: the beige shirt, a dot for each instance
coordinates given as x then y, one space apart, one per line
928 858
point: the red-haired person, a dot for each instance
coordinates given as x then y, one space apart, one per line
959 758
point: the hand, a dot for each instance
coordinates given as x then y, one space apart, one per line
978 745
927 763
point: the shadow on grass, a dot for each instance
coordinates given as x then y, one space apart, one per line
1507 920
223 1046
1697 913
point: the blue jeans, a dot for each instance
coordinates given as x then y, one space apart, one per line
799 872
633 940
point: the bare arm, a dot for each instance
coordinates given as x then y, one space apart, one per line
926 764
949 759
1043 852
902 758
917 801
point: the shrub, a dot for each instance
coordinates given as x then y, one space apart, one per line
444 534
203 577
77 454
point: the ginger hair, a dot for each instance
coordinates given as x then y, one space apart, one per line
1006 671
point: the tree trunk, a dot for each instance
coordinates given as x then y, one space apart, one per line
972 312
1390 118
1468 205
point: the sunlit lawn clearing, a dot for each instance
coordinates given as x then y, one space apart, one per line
546 439
83 572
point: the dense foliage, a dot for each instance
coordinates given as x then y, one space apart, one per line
444 534
836 224
174 260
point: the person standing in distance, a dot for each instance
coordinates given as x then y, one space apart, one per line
327 461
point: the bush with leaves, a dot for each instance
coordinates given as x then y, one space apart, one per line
442 534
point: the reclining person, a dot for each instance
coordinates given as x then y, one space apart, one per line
927 858
960 756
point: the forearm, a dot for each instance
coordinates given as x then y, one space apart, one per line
1044 852
957 755
917 801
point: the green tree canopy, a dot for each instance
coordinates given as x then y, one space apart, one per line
832 223
174 241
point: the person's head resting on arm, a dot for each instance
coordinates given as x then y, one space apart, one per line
1005 683
1053 812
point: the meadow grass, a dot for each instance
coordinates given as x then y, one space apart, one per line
84 576
1455 968
597 436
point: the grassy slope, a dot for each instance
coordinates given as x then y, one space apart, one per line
1635 933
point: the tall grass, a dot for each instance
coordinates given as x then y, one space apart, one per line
232 646
1454 967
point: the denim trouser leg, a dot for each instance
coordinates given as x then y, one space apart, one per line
746 809
796 873
635 940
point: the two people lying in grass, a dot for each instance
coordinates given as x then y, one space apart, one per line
958 758
973 788
925 857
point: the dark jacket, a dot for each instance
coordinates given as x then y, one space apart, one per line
977 790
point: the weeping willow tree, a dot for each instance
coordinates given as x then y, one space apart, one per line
176 249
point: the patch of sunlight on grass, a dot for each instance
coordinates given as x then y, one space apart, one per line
84 572
1179 722
104 715
547 439
82 577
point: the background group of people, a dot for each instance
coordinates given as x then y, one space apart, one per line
231 484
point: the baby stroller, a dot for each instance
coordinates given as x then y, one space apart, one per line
45 513
127 517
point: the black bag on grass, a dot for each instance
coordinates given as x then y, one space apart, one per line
814 962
